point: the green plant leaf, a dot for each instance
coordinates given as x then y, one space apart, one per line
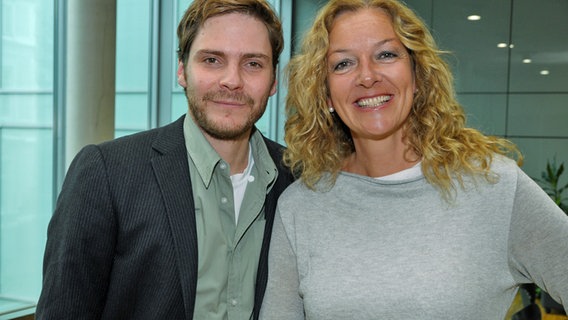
549 183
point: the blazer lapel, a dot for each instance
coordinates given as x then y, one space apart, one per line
172 173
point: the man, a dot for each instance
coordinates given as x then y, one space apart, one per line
175 222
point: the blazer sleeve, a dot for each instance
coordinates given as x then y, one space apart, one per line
80 243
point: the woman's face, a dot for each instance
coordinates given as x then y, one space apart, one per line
370 76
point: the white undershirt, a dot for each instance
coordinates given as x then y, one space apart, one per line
412 172
240 181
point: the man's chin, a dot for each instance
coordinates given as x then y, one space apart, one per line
228 133
224 127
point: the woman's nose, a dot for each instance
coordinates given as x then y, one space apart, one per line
368 75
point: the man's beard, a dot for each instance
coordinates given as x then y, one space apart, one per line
222 131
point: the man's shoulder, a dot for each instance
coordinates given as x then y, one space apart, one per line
274 148
271 144
171 133
137 147
276 151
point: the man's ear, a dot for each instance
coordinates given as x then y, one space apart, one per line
274 87
181 74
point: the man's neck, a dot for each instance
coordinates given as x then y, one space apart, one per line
234 152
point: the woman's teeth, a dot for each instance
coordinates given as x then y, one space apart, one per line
373 102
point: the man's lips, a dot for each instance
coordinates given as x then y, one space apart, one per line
230 103
236 100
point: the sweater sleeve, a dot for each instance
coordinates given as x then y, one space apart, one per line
539 240
282 299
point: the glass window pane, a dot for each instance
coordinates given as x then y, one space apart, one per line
133 25
26 146
179 102
26 165
133 111
26 108
26 50
479 65
539 60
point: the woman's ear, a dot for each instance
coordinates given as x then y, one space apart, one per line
330 105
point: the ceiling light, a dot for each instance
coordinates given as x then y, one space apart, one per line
527 60
474 17
544 72
504 45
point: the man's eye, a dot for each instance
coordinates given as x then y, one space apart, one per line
210 60
255 65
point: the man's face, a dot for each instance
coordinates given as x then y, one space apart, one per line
228 75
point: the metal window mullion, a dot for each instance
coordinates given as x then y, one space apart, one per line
59 102
166 60
153 64
278 115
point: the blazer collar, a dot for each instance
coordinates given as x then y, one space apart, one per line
172 174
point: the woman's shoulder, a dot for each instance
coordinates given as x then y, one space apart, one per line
501 163
508 171
295 191
505 167
298 194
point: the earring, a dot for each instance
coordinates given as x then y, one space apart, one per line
331 110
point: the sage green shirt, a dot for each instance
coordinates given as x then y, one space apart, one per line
228 252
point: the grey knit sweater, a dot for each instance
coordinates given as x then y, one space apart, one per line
367 249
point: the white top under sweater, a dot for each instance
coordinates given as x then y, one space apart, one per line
371 249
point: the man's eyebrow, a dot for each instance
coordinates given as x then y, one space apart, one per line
211 52
256 55
251 55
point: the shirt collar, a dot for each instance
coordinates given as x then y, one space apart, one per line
205 158
199 150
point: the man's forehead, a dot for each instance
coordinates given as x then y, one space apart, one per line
235 34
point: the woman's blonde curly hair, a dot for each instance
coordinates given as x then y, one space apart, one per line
318 141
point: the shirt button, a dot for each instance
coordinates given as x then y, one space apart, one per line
251 179
224 200
233 302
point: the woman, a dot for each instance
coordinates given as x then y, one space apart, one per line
401 212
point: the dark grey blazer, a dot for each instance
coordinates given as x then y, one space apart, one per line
122 242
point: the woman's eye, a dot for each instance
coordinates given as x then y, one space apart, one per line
385 55
342 65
